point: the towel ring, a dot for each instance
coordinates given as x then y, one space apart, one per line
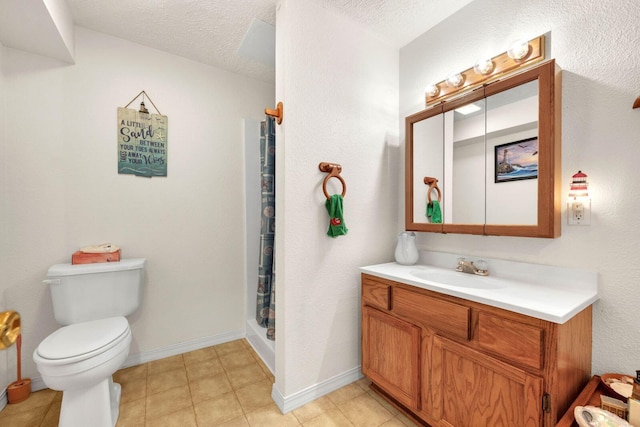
333 171
433 185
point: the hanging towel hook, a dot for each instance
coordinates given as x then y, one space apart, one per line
277 113
333 170
433 185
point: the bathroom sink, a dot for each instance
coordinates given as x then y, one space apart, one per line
457 279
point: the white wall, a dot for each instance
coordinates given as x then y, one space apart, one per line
62 18
61 191
597 47
4 374
339 87
43 27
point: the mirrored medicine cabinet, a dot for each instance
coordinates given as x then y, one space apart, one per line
495 153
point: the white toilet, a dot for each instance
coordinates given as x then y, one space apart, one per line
79 359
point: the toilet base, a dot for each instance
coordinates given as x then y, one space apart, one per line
96 406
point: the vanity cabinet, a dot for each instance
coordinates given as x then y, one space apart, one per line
452 362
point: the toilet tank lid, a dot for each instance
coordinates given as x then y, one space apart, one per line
99 267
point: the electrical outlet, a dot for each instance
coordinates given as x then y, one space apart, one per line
579 212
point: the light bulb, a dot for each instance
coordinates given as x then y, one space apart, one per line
484 67
455 80
518 50
432 90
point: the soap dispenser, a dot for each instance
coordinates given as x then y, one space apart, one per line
406 251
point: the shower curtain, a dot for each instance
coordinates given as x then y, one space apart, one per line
266 298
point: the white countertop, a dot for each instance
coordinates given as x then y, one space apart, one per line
554 294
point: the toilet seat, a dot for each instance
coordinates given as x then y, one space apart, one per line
81 341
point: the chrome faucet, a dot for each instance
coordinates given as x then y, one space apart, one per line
480 267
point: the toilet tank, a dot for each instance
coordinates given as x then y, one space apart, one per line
84 292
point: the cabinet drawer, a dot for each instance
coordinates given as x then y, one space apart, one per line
445 317
375 294
515 341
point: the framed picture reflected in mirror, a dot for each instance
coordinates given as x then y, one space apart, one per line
516 160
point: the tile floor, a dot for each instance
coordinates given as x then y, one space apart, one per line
224 385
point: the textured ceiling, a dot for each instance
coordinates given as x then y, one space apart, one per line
212 31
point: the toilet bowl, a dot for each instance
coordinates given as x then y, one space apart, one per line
79 360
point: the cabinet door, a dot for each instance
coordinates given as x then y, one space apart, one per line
391 354
430 404
477 390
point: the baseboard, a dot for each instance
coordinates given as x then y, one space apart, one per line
296 400
263 347
160 353
183 347
285 403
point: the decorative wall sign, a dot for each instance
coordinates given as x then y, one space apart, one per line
142 142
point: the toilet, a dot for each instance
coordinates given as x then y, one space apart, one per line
90 301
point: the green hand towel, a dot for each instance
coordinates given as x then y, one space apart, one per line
337 226
434 213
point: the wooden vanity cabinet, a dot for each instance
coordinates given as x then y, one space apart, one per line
456 363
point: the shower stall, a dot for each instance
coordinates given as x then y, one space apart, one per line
256 335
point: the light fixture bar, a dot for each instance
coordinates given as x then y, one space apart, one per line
502 64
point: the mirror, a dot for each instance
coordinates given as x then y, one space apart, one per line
426 160
495 154
465 162
512 155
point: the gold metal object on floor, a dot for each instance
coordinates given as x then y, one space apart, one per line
9 328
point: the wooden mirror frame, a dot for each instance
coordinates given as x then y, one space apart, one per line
548 75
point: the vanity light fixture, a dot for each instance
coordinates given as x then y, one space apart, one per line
579 204
520 54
